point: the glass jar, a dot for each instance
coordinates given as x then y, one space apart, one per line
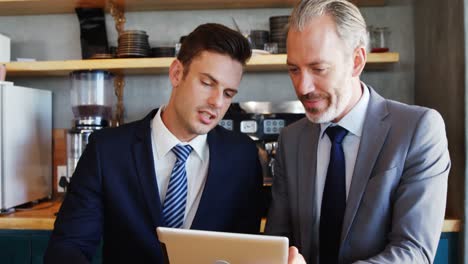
92 94
380 39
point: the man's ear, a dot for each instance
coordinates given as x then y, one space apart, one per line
359 61
176 71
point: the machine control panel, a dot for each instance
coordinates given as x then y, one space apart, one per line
272 126
227 124
248 126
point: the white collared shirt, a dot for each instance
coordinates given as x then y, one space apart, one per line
353 122
162 141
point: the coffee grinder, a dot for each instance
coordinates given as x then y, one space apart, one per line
92 99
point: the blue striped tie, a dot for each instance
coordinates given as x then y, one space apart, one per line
176 195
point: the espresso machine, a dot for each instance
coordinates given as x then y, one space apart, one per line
92 99
263 121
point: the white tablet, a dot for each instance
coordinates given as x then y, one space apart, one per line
182 246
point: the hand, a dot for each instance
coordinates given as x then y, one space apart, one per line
294 256
2 72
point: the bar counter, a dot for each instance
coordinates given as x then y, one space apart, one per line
42 217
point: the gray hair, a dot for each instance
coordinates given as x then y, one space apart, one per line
350 25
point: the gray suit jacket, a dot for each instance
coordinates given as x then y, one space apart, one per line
396 203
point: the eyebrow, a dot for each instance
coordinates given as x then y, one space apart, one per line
308 64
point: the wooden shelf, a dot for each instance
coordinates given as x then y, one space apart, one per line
34 7
156 65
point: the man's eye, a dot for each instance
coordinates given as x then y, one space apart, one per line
206 83
229 94
320 70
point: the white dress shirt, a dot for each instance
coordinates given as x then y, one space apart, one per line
353 122
162 141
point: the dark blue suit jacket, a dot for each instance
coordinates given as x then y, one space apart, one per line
114 195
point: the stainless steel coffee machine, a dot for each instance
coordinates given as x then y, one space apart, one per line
263 121
92 98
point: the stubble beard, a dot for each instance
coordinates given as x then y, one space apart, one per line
336 106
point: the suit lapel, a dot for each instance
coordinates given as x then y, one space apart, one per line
307 169
374 133
144 163
214 180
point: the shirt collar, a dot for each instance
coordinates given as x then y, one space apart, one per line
354 120
165 140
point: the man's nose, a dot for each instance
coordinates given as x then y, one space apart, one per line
304 84
216 98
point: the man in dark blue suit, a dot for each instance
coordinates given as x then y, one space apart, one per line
118 190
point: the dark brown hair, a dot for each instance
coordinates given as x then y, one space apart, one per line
216 38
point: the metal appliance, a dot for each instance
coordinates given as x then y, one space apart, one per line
263 122
26 145
92 98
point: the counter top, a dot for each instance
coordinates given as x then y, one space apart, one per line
38 217
42 217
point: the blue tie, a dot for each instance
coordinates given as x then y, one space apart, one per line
176 195
333 199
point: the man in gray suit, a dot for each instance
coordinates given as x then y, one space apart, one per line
362 179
